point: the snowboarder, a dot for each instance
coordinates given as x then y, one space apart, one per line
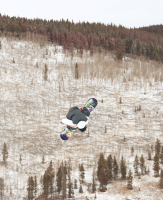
77 118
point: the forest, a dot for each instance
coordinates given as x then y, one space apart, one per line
145 41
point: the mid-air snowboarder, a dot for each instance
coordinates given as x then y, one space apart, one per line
77 118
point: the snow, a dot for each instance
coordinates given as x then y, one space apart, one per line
31 109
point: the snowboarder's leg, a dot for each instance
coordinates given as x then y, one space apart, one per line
66 134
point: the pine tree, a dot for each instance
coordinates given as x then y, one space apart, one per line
115 168
43 159
157 147
93 183
152 149
48 180
5 153
41 183
118 54
132 151
161 155
64 180
75 184
110 167
45 72
147 50
161 178
102 171
30 188
123 168
20 159
149 155
76 71
129 180
81 189
138 48
156 166
35 186
91 49
70 184
82 173
155 55
59 179
142 164
70 189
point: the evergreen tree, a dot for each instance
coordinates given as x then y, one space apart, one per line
110 167
64 180
156 166
48 180
161 155
155 55
147 50
115 168
142 164
138 48
43 159
35 186
123 168
5 153
152 149
149 155
46 72
20 159
93 183
157 147
128 45
151 51
41 183
81 189
59 179
76 71
102 171
132 151
129 180
118 54
70 189
30 188
70 184
82 173
161 178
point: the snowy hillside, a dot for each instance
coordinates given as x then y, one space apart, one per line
31 109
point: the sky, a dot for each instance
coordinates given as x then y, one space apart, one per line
127 13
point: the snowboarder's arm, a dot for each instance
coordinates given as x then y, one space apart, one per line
68 122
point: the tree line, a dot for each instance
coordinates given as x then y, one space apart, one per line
61 184
89 36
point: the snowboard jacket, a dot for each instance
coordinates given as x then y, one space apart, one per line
76 115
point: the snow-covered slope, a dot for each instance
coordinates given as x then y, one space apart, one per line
31 109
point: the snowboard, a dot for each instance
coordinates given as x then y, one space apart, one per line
67 132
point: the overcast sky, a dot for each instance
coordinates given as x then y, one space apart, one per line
128 13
